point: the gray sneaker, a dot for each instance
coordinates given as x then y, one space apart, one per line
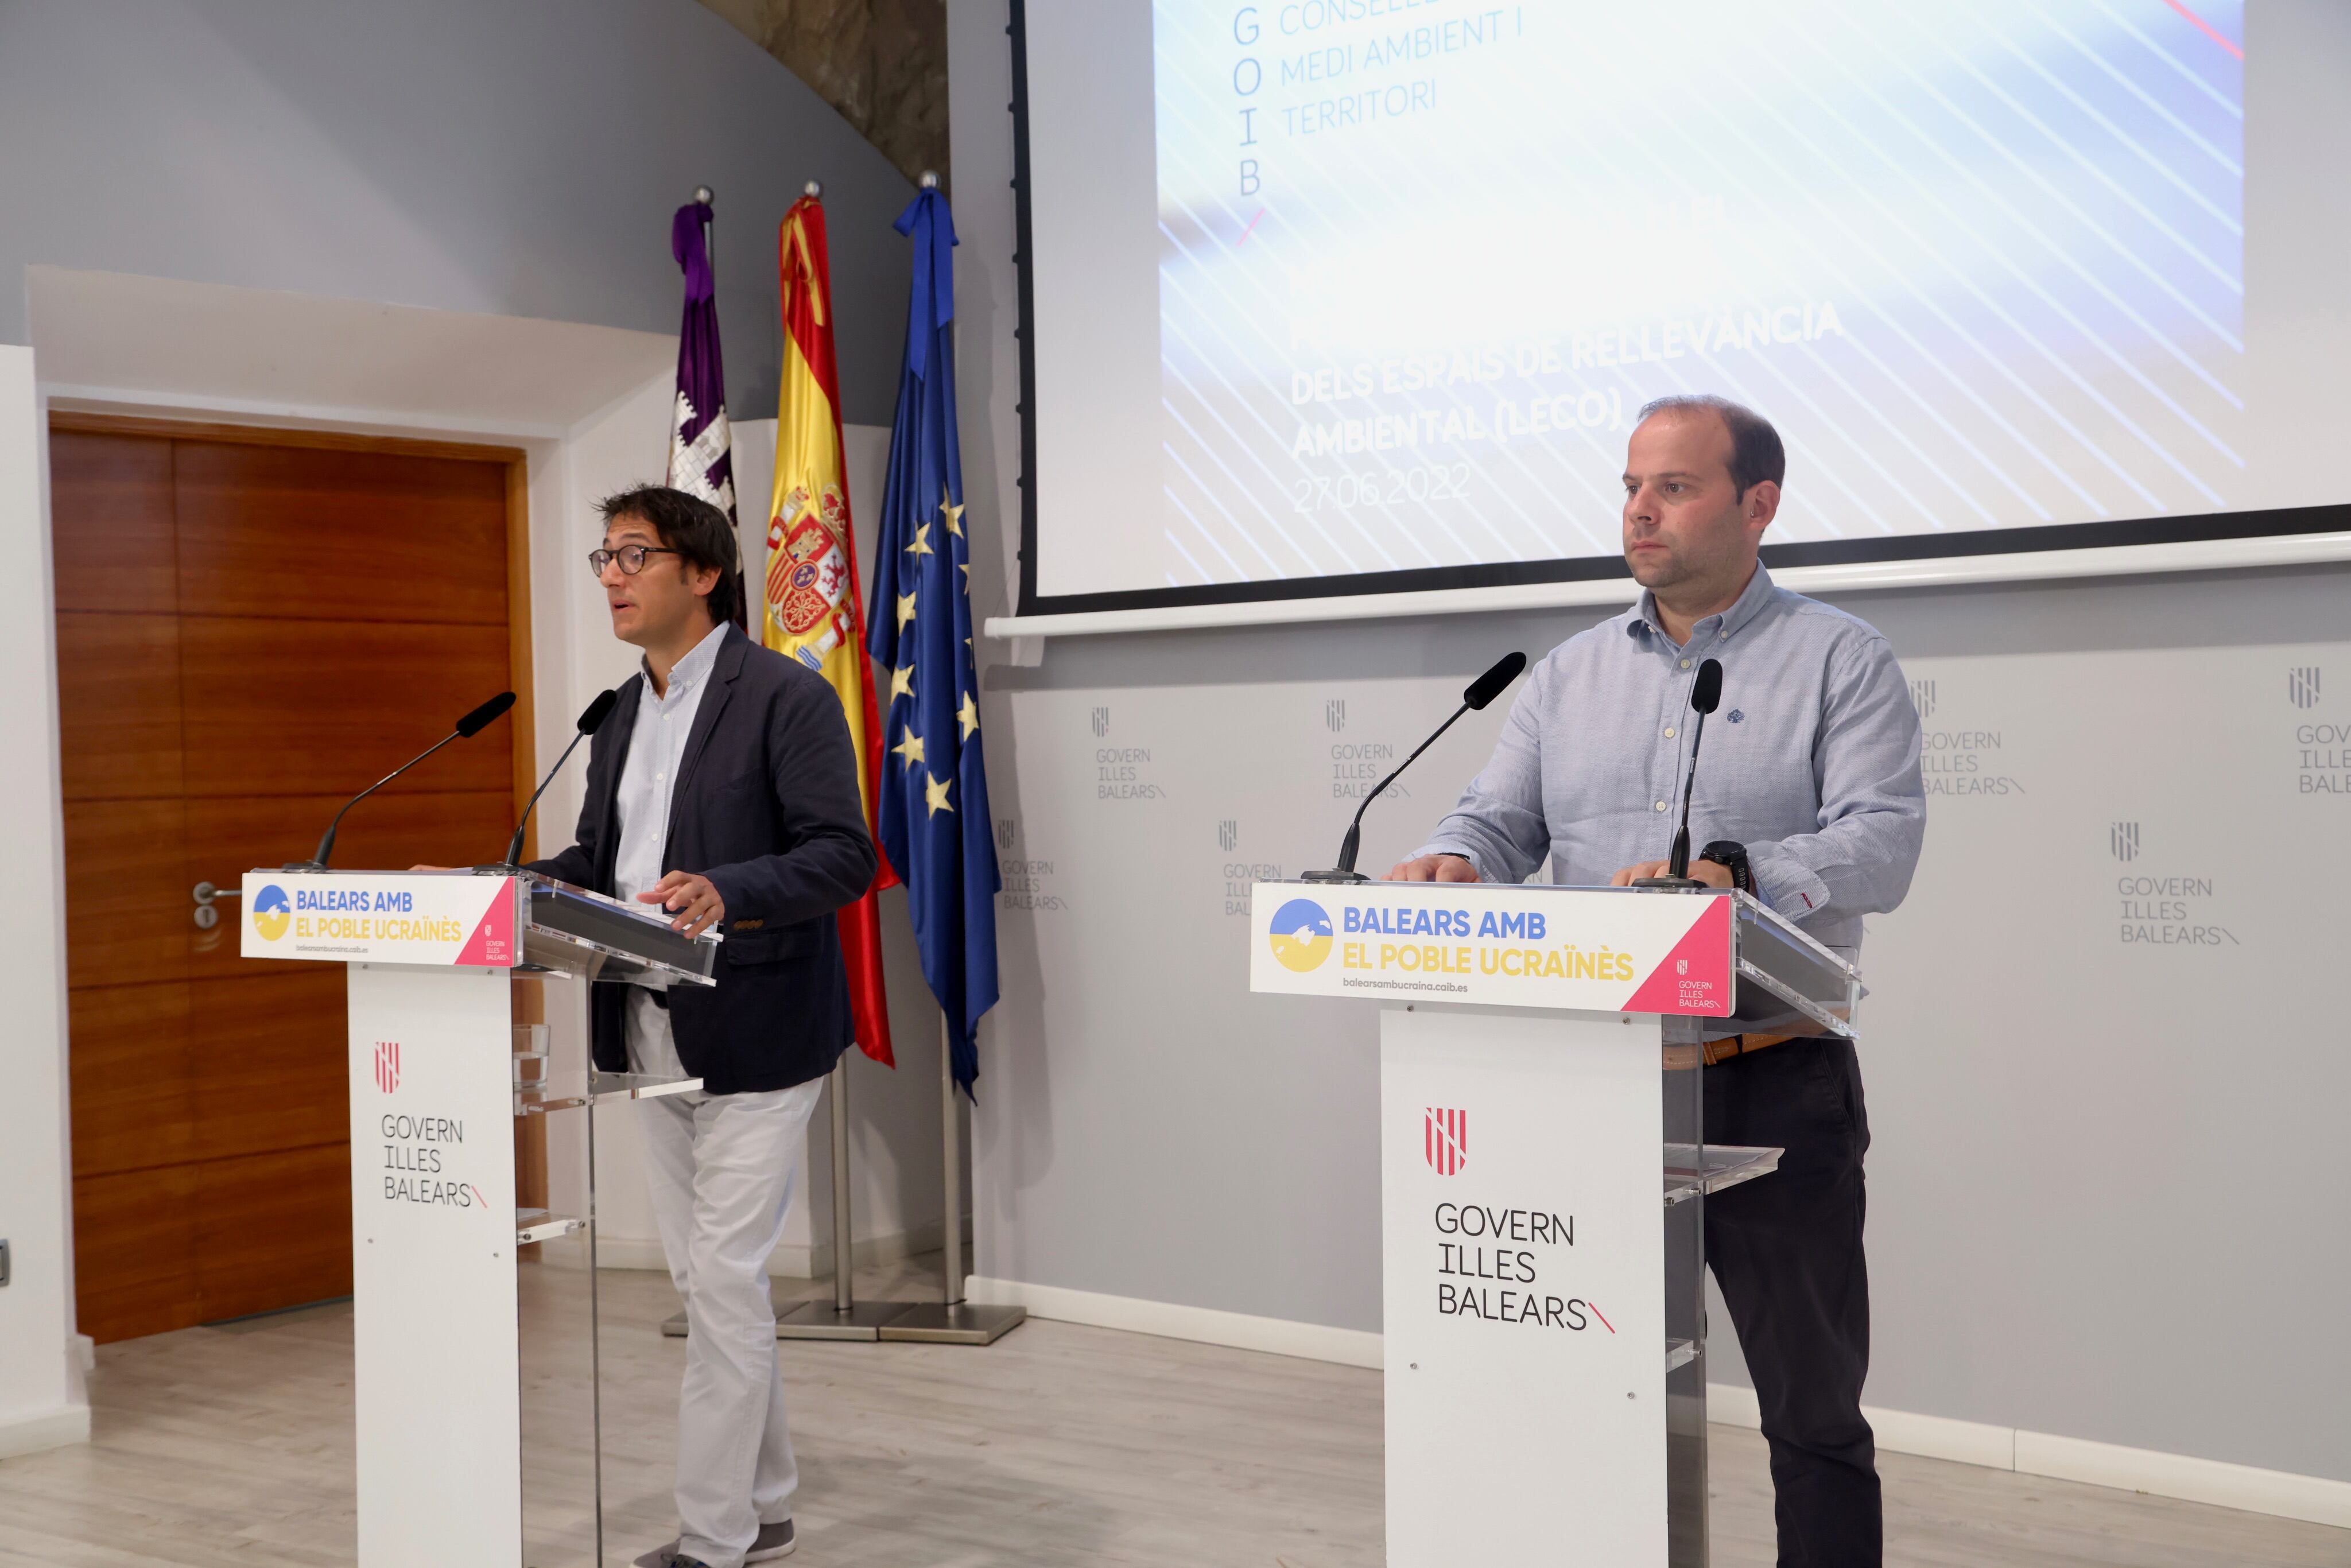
773 1541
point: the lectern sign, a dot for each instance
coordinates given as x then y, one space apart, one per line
1523 1289
383 917
1584 949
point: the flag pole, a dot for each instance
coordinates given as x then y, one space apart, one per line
924 436
847 1318
951 1163
845 1249
703 197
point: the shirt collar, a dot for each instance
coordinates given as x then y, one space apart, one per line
1642 617
687 674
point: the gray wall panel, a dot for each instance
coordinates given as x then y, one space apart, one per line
519 159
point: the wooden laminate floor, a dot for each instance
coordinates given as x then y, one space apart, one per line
231 1448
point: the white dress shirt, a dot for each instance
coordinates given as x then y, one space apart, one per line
657 748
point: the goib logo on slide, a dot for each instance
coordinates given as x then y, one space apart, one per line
1301 935
272 911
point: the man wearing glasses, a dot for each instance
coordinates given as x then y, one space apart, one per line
724 789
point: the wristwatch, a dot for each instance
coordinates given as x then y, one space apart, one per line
1733 857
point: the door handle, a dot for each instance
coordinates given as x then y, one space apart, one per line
204 893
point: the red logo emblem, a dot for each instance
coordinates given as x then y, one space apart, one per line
387 1065
1445 1140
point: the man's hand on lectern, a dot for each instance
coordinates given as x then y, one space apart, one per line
1433 868
1714 873
690 898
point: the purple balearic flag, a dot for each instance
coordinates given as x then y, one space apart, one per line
701 457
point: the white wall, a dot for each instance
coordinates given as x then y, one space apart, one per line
2103 1182
41 1401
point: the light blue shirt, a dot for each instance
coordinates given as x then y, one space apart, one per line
648 782
1811 760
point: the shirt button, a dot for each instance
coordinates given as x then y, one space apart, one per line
1661 805
659 776
1669 732
1685 663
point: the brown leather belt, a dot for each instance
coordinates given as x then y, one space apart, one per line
1741 1044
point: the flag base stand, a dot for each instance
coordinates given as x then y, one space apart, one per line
962 1323
955 1321
822 1320
843 1317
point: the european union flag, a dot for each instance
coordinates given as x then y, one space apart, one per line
934 823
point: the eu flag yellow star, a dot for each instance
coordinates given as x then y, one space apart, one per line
953 513
902 683
906 610
922 545
969 714
934 792
910 746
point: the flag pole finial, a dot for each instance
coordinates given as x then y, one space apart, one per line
813 190
704 195
930 178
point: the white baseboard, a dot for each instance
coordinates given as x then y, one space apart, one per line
791 1260
2309 1497
51 1429
2312 1499
1204 1325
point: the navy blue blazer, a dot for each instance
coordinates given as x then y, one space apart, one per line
766 806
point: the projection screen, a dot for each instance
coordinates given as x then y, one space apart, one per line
1356 297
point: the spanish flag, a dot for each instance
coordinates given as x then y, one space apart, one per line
812 596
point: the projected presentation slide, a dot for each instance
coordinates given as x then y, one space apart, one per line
1420 264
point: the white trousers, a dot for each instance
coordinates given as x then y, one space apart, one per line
722 1168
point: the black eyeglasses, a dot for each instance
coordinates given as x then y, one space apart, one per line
631 556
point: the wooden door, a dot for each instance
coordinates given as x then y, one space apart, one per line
248 632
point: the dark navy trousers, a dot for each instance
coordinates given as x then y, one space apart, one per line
1786 1249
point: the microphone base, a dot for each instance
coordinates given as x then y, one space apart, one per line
504 868
1672 885
1332 876
305 865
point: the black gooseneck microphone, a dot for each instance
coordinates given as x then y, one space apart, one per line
591 719
472 724
1705 696
1480 692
